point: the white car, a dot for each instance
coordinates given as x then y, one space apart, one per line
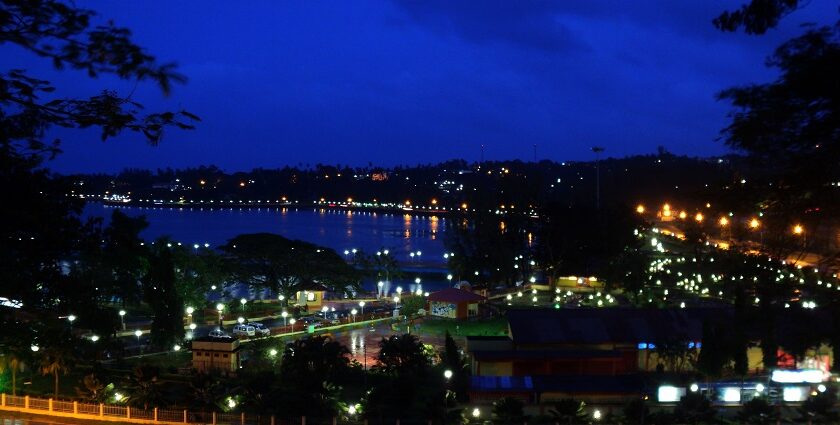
261 330
244 330
218 333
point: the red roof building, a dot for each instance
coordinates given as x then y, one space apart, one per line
454 303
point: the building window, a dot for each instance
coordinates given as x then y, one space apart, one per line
225 355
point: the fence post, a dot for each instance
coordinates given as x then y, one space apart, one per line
49 405
214 418
303 420
75 407
26 402
272 420
242 418
3 399
101 409
156 414
128 412
185 415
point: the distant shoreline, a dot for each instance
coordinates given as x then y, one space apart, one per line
221 205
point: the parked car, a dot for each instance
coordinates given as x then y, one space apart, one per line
218 333
310 320
261 330
244 330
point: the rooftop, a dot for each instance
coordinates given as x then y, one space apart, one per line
454 295
609 325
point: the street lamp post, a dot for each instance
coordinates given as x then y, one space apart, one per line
448 375
138 333
190 312
220 308
243 301
122 319
362 306
284 314
353 314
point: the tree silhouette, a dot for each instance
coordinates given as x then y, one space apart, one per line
55 361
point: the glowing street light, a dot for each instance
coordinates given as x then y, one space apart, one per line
362 306
241 320
353 314
683 215
640 209
284 315
798 229
243 301
122 319
447 374
723 221
94 338
34 348
699 217
220 308
754 223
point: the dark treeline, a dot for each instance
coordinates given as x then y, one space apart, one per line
452 183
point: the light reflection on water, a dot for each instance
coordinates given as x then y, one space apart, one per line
363 342
337 229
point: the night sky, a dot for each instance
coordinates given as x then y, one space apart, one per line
350 82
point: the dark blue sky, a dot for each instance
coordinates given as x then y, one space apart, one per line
388 82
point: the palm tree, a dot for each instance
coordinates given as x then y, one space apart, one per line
569 410
93 389
145 388
508 410
14 362
55 362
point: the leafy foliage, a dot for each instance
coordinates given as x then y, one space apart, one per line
508 410
264 260
758 411
486 248
144 387
569 411
757 16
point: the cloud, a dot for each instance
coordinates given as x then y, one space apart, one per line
530 24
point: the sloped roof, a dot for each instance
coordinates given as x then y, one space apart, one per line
454 295
609 325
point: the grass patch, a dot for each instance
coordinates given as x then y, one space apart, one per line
496 326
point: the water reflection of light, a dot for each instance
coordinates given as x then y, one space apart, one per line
530 239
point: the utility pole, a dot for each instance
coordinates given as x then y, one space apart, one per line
597 150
